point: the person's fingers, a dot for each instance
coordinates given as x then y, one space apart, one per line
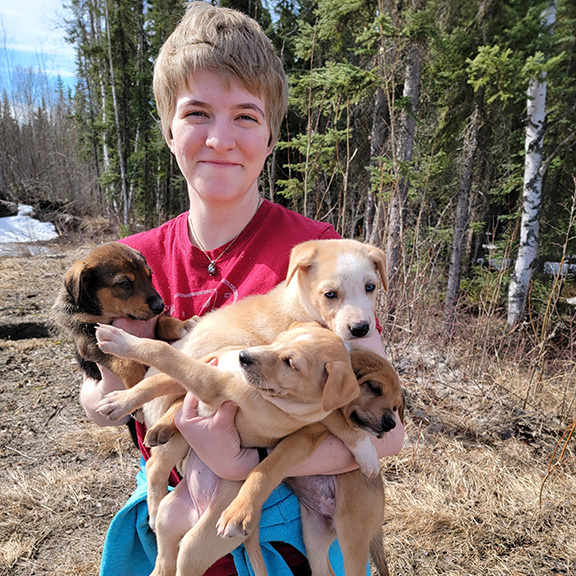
189 409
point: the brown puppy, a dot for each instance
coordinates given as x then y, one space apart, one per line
297 380
113 281
330 281
347 506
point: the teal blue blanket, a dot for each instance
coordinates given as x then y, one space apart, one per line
130 547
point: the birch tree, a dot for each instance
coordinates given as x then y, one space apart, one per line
532 190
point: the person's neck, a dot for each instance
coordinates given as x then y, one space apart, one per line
213 225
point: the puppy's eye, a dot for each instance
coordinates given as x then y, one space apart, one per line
330 294
374 388
395 409
370 287
289 363
126 284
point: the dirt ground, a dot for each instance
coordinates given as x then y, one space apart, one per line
462 495
61 477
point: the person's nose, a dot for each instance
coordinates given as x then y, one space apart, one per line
220 136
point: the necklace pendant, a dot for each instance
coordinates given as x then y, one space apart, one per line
212 268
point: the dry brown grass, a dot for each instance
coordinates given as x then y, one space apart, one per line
463 496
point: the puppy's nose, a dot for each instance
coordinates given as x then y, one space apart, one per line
359 330
156 305
245 358
388 423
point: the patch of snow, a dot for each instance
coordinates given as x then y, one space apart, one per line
24 228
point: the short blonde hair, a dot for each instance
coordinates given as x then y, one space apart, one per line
226 42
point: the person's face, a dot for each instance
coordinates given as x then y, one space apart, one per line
220 138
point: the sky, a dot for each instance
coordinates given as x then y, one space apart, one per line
32 36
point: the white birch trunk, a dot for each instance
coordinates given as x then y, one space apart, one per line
532 191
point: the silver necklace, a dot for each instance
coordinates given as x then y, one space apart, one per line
212 269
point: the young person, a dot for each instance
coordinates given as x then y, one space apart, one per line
221 94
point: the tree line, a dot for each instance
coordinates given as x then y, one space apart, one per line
443 131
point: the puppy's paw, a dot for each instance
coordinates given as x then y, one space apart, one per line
190 325
367 457
236 521
112 340
159 434
114 405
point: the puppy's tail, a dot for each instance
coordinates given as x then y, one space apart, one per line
378 556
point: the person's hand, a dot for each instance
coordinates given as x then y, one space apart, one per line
92 391
215 439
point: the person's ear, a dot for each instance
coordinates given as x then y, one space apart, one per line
270 146
169 138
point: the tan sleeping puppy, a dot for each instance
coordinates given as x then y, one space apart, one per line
299 379
347 506
333 282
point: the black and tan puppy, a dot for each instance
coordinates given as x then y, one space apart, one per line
112 282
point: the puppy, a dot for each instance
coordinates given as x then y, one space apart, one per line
348 506
113 281
333 282
298 379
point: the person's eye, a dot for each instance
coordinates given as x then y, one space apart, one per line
247 118
195 114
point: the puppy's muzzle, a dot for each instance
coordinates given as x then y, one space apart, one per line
374 426
246 360
387 423
156 305
360 329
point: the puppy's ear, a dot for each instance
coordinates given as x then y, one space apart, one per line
74 279
378 257
401 409
341 386
302 256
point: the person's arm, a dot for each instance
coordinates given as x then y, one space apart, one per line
333 457
373 342
217 443
92 391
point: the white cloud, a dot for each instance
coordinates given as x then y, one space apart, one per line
32 32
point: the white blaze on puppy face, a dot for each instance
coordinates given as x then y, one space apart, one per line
347 295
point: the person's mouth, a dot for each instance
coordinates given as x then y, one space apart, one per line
219 163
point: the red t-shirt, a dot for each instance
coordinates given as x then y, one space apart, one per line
253 264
